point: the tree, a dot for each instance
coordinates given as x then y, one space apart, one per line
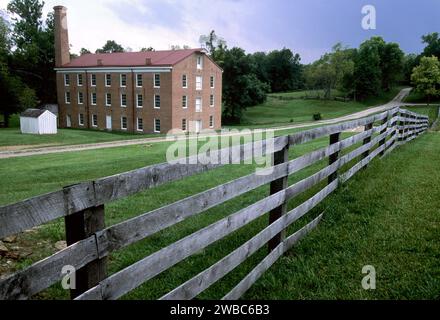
426 77
367 71
241 87
284 70
110 47
432 42
410 61
391 62
33 58
84 51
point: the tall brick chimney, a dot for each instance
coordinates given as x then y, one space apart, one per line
62 52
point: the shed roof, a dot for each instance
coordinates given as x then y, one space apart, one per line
32 113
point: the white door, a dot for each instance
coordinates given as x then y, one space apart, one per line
68 121
108 122
198 126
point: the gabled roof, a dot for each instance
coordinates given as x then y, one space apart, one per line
32 113
132 59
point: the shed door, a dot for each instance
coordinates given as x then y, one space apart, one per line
108 122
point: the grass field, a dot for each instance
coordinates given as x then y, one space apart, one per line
13 137
370 221
305 93
276 111
415 97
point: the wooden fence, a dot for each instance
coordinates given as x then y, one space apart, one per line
90 242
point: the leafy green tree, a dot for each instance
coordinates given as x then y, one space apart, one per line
391 62
432 42
110 47
410 61
33 58
367 71
284 70
241 87
426 77
84 51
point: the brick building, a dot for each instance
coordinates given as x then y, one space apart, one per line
150 92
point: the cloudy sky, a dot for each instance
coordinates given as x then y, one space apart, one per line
309 27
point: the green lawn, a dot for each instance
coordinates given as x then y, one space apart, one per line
416 97
25 177
305 93
13 137
275 111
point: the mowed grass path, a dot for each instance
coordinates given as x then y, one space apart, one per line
388 216
13 137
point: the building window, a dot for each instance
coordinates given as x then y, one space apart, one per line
108 99
139 100
157 80
211 121
157 125
139 80
185 102
93 80
199 81
81 119
184 81
68 121
198 104
67 80
67 97
123 80
211 100
108 80
93 98
212 82
156 101
124 123
94 120
79 80
123 99
183 124
199 62
140 124
80 98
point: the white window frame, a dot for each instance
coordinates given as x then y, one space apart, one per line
211 122
93 75
154 124
185 98
199 62
93 122
137 124
122 104
154 81
139 75
105 79
122 123
91 98
201 83
186 81
212 101
81 123
137 100
79 76
120 80
66 82
79 100
212 82
67 93
201 104
106 99
154 105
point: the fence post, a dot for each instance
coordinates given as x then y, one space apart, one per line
382 142
367 140
402 129
81 225
275 187
334 138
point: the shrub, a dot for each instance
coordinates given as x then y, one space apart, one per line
317 116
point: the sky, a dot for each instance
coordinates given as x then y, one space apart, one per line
307 27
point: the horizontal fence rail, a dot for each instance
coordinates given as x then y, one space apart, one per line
90 243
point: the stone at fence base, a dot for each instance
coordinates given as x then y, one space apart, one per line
60 245
3 248
10 239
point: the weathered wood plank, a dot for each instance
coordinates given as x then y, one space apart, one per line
131 277
46 272
269 260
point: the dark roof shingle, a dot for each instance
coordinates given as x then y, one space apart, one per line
32 113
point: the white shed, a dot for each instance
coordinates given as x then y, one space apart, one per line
38 121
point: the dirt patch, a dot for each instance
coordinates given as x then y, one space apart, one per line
29 146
